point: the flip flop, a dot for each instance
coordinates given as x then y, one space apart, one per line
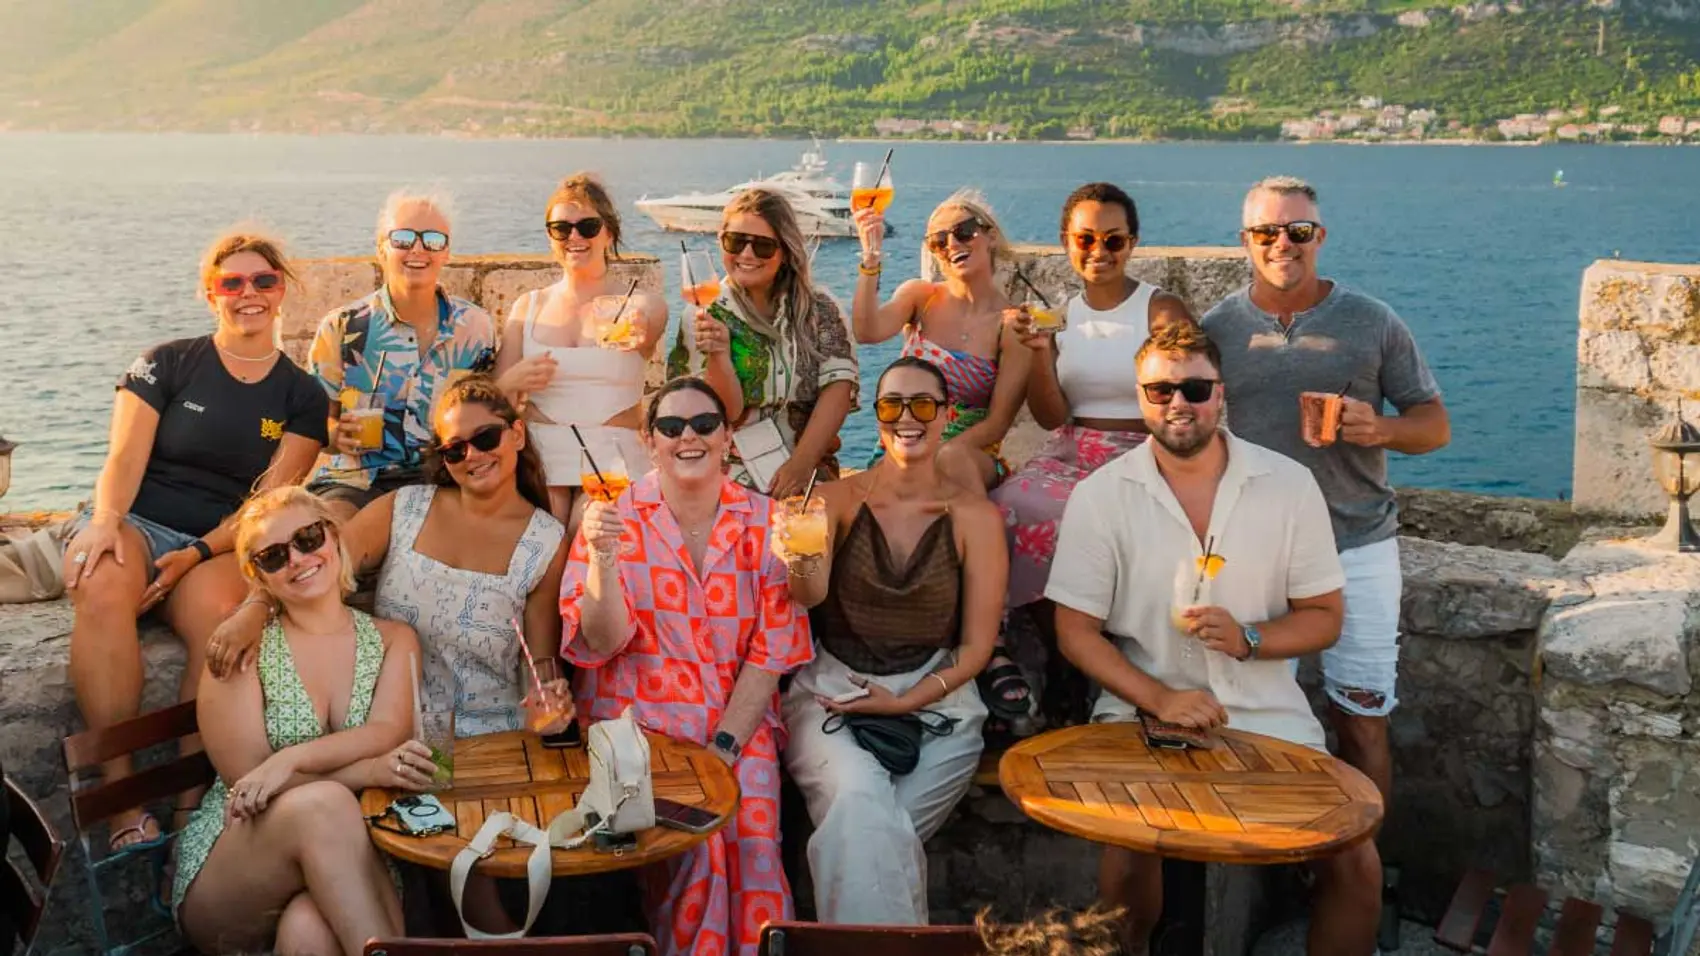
135 837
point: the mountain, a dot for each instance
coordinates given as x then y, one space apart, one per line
1175 68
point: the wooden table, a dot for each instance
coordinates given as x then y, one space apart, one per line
514 772
1253 799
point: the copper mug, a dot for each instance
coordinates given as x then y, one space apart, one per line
1319 413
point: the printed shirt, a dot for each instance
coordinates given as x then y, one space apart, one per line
345 358
690 632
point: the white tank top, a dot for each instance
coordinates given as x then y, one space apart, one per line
1095 353
591 385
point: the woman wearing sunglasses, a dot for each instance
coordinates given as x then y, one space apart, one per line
396 351
905 608
674 605
552 353
277 856
775 348
197 424
1083 390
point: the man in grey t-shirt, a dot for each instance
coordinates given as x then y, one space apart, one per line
1292 331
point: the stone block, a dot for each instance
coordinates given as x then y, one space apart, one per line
1640 640
500 285
1463 592
1676 367
1201 276
460 279
1616 296
1653 839
1615 360
1613 472
325 284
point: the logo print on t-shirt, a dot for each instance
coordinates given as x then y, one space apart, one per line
143 369
270 430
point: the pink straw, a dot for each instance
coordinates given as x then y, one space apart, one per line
530 664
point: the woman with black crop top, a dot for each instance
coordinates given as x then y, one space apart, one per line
197 425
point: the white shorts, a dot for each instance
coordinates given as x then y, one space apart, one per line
1364 663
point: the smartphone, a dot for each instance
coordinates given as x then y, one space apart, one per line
423 814
571 737
851 695
1167 736
615 843
683 816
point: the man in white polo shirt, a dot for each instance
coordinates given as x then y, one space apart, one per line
1276 596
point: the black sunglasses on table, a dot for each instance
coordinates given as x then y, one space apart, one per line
888 409
1194 390
964 232
405 238
484 439
1300 231
274 557
562 229
734 243
673 426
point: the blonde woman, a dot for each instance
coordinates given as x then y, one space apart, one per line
776 350
277 855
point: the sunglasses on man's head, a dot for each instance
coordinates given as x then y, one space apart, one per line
484 439
1195 390
673 426
233 283
964 232
1113 242
561 230
274 557
888 409
405 238
1300 231
763 246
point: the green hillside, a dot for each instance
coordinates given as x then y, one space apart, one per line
1187 68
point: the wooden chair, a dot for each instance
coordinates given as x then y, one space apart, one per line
19 901
1520 908
816 939
94 801
624 944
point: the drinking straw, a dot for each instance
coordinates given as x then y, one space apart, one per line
1029 284
530 664
883 167
588 456
1342 392
685 263
810 488
372 397
625 299
1204 565
418 701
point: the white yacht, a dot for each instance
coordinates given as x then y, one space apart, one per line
822 203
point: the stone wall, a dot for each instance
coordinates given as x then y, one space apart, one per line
1637 350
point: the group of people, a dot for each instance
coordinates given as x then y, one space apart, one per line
244 497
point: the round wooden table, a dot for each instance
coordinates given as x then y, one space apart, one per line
1252 799
514 772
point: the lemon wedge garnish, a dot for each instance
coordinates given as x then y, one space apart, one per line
1210 565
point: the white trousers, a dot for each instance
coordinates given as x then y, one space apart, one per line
866 855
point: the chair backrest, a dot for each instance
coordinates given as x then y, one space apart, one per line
624 944
19 901
816 939
1685 919
86 751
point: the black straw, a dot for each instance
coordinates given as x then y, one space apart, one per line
685 263
1029 284
1342 392
588 456
1198 585
883 167
622 310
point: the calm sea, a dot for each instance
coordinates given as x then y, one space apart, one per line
99 236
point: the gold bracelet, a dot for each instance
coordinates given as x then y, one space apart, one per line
875 271
942 683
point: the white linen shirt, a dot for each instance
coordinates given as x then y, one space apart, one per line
1123 535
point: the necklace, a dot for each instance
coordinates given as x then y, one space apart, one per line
244 358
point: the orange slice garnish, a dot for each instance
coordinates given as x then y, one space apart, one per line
1210 565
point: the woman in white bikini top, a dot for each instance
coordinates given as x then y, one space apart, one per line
553 336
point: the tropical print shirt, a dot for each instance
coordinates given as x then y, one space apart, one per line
363 349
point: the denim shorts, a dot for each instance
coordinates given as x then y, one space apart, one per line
160 539
1364 662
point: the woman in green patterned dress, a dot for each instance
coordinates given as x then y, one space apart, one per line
277 856
776 350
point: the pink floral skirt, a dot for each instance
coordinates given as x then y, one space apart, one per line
1032 500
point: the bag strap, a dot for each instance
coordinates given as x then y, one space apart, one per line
537 869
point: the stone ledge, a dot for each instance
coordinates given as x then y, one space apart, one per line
1643 618
1465 592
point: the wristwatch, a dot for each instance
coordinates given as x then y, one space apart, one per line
202 548
1253 641
726 742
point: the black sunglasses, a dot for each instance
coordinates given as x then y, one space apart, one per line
734 243
307 539
485 438
672 426
889 408
964 232
1113 242
562 229
1300 231
405 238
1194 390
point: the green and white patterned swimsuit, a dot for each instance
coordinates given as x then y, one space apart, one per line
290 720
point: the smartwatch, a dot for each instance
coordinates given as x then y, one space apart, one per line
727 742
202 548
1253 641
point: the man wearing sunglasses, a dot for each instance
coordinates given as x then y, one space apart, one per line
395 351
1292 331
1158 515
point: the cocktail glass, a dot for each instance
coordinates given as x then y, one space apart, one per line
437 731
699 282
614 326
803 530
868 189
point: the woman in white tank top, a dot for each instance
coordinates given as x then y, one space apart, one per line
567 378
1081 386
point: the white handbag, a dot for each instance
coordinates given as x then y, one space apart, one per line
620 793
761 447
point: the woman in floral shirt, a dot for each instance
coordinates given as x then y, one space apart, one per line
674 605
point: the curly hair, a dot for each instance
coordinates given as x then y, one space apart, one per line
481 390
1055 932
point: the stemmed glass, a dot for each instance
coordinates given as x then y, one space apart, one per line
869 189
698 280
1191 589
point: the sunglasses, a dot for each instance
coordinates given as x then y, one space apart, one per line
233 283
964 232
274 557
1194 390
405 238
1300 231
672 426
1113 242
889 409
561 230
484 439
734 243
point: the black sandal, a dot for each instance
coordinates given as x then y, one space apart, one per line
997 685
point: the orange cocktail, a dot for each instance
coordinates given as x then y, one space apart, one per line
605 487
703 294
875 198
805 526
